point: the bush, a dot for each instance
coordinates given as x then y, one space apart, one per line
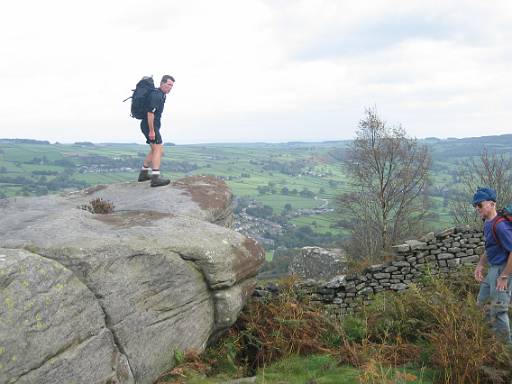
283 326
261 212
439 324
462 343
278 327
355 329
98 206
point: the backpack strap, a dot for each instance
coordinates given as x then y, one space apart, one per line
128 98
496 221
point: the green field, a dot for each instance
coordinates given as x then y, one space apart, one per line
303 175
34 169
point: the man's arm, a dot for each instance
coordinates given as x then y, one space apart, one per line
151 125
502 283
504 233
479 275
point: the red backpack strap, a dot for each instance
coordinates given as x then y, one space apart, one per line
498 220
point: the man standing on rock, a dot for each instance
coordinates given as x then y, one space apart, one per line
150 126
496 287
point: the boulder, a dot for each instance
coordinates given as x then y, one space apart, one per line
318 263
52 327
161 271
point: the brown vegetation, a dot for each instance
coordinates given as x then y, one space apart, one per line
437 327
99 206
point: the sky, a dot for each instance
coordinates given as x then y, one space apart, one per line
255 70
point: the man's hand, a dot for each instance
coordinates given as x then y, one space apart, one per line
151 126
502 284
479 275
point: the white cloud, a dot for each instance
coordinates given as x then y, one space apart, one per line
255 70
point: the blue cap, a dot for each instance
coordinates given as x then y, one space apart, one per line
484 194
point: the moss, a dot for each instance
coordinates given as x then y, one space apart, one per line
32 248
39 323
9 303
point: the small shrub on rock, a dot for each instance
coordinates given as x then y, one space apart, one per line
99 206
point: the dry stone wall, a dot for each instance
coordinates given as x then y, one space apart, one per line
318 263
442 253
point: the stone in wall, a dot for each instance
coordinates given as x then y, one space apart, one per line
318 263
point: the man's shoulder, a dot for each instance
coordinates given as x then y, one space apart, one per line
159 95
157 92
503 225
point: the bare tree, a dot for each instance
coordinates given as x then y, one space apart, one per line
490 170
389 174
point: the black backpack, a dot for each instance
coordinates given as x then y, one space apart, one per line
139 97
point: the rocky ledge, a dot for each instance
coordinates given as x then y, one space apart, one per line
109 298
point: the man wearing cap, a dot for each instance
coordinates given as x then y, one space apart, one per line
496 286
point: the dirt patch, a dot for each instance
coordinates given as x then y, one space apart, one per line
128 219
254 248
208 192
247 260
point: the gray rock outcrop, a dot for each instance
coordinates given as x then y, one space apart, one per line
109 298
53 329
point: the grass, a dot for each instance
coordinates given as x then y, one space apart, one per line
320 369
325 369
320 223
106 177
277 202
313 369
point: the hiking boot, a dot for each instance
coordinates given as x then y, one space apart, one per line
144 175
157 181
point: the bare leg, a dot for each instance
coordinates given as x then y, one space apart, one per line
155 155
148 161
147 165
157 151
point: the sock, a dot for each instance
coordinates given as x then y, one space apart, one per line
144 168
155 172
